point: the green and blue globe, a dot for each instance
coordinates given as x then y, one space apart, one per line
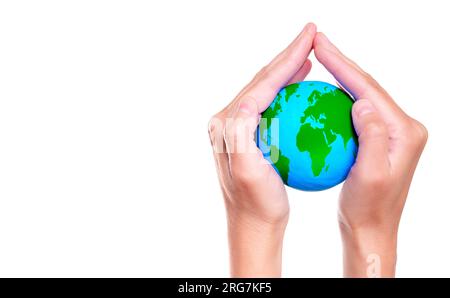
308 136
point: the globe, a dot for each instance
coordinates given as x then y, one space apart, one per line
308 136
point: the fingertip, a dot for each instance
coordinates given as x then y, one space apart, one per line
311 28
309 31
307 64
306 68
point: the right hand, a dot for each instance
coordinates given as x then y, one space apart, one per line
390 145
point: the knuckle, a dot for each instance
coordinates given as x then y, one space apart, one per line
369 79
421 132
417 134
215 126
375 181
211 126
244 177
261 72
370 82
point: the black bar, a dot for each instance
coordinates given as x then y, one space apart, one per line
224 287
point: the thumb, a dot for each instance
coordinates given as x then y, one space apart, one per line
372 136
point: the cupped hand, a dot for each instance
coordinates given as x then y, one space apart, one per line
255 197
374 194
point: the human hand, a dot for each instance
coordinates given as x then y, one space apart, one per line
255 198
374 194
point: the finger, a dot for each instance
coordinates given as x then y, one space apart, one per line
345 90
243 154
355 80
302 73
277 73
347 72
309 28
216 128
373 139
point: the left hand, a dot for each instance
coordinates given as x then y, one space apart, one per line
255 198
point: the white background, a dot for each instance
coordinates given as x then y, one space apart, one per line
105 163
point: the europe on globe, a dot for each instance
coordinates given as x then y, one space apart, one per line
308 136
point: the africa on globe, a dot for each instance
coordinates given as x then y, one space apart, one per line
308 136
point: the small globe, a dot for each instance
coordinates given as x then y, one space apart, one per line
308 136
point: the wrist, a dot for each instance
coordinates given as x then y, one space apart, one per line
369 251
255 246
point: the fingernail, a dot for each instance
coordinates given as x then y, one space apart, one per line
364 107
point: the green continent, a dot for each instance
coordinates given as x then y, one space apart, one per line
330 111
275 108
316 145
272 111
282 163
291 90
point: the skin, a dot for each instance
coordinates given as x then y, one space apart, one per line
373 196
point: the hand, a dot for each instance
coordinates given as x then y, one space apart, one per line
255 198
390 145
